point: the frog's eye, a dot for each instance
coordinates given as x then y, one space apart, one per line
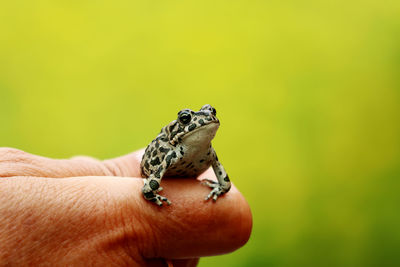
185 117
209 108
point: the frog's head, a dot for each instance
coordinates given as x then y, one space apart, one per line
195 127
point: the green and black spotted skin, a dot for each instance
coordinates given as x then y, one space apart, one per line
183 149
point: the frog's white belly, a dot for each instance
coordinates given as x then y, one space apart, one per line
194 161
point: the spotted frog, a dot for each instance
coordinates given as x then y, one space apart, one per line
183 149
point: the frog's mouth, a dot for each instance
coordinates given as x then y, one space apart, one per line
201 135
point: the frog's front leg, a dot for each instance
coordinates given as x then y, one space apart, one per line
223 185
152 183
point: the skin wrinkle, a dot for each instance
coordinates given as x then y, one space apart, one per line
110 211
109 246
73 210
113 243
67 213
8 154
179 223
144 232
127 232
7 228
24 218
113 168
199 215
127 165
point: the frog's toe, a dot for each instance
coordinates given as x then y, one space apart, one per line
160 200
215 197
210 183
217 191
166 200
159 189
157 199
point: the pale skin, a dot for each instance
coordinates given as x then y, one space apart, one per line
96 215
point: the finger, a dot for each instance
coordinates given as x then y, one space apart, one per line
114 210
190 227
14 162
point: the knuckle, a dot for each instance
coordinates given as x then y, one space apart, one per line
111 168
8 154
15 162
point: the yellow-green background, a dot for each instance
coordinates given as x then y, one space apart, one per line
307 92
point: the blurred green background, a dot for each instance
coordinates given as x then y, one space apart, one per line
307 92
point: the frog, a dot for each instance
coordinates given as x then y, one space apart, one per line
183 149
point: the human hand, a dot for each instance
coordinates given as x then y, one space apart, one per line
97 216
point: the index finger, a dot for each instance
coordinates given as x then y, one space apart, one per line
15 162
190 227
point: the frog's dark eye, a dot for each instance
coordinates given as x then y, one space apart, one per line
209 108
185 117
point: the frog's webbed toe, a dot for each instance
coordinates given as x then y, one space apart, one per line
152 196
159 189
159 200
216 191
209 183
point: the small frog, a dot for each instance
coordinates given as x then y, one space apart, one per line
183 149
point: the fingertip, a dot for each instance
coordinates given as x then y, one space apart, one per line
195 227
244 222
235 222
192 227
